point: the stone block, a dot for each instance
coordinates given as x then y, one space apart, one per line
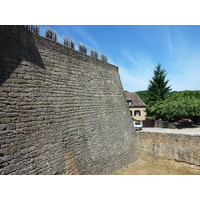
14 94
9 169
1 160
2 114
20 125
7 59
5 120
2 127
40 118
10 126
8 158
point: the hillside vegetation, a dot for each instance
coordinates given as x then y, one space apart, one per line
143 94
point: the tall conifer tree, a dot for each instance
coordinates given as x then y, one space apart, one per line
157 88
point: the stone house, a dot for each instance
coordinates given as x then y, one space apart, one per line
136 106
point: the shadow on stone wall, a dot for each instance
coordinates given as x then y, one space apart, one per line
71 118
16 45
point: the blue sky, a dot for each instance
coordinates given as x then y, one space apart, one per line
138 49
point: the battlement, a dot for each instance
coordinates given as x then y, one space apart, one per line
52 35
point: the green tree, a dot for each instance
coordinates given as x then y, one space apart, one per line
158 86
184 104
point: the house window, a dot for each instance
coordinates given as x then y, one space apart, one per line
137 113
131 113
129 102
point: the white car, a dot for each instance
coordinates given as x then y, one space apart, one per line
137 125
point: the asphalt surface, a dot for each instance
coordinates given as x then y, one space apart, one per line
190 131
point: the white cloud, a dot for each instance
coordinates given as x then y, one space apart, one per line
187 74
86 37
169 41
130 82
136 74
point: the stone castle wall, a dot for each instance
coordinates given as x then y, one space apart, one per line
61 112
180 147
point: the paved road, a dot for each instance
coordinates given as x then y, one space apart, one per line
191 131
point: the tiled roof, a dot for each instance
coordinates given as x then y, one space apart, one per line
136 101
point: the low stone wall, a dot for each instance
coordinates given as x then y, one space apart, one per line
164 124
180 147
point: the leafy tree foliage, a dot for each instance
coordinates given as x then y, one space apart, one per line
158 88
184 104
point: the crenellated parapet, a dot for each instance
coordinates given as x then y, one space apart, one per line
52 35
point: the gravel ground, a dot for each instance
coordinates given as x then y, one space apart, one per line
157 167
152 166
190 131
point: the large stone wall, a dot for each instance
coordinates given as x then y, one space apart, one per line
61 112
180 147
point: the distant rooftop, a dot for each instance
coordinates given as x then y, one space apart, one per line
134 100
